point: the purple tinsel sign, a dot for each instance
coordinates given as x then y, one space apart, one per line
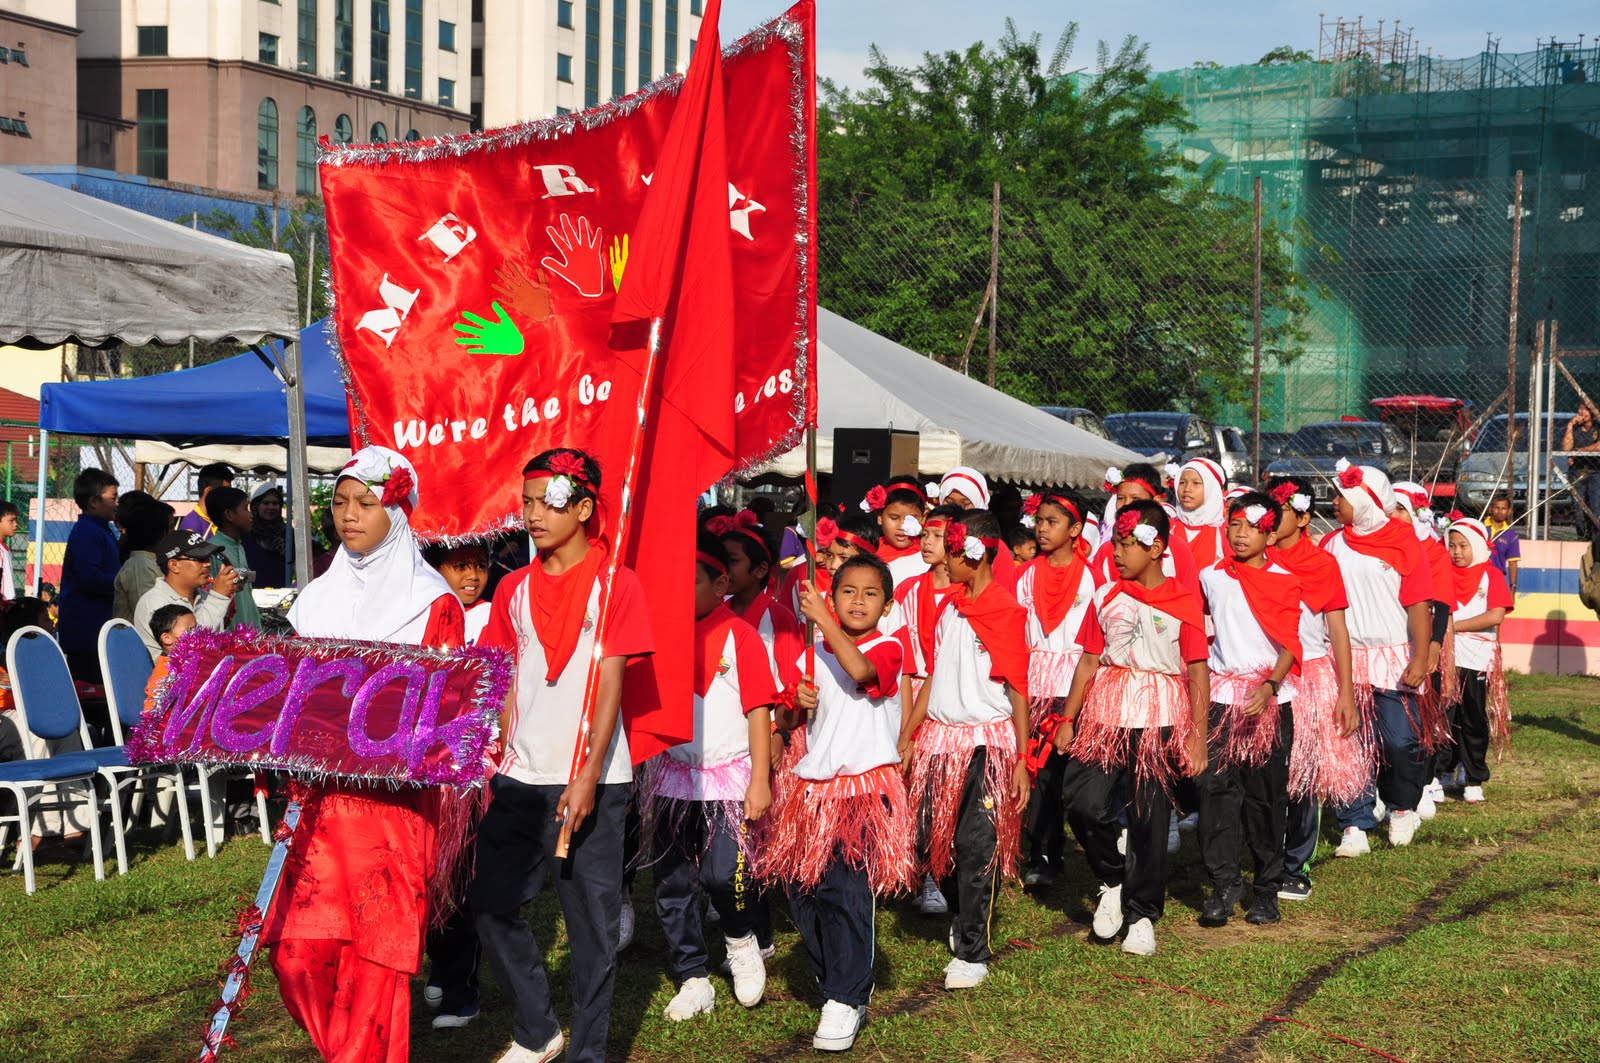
326 708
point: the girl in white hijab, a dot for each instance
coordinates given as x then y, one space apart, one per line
1202 508
347 929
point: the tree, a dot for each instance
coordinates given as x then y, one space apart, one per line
1125 280
304 228
1285 53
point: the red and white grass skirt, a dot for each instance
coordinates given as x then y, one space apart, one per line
940 754
1122 699
863 820
1324 764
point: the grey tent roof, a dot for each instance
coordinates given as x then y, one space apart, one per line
869 381
74 268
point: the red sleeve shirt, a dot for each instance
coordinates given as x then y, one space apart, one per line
1192 643
628 630
886 656
756 686
1499 591
1417 585
499 630
447 624
1091 636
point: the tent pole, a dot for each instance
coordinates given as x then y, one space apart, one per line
299 482
38 525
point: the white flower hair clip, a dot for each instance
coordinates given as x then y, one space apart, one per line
558 492
1172 469
1341 465
1113 476
1253 515
1027 521
1426 516
1301 502
1145 533
973 548
931 489
911 525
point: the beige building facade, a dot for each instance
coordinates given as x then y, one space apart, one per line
38 83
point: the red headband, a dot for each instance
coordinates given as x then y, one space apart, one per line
1205 464
1269 519
857 541
715 564
1033 502
907 485
568 465
1352 477
744 524
1111 488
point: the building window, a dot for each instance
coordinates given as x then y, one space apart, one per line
564 67
152 40
308 36
305 153
477 10
619 47
647 35
151 109
413 49
672 37
379 134
343 131
447 92
591 53
564 14
267 48
562 111
412 134
695 7
380 45
477 117
344 41
477 62
447 36
267 144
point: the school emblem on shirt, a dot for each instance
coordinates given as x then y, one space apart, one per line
1159 622
724 667
978 643
1077 600
588 623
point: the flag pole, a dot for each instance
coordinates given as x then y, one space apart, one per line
580 750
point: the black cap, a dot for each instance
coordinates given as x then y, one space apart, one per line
176 544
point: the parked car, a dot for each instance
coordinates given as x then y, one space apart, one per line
1175 437
1436 430
1273 445
1485 473
1079 417
1238 461
1314 452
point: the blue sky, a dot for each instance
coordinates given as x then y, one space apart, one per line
1179 32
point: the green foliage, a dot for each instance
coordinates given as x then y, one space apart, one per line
1125 280
305 228
1285 53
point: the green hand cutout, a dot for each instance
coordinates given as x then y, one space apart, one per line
489 337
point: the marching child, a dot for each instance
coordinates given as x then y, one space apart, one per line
750 566
544 614
838 540
964 743
842 830
700 795
1056 589
1436 701
1200 487
898 508
10 518
1329 760
1140 482
1136 713
1389 587
1255 613
1482 600
466 570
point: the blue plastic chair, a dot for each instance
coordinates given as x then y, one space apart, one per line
47 708
126 666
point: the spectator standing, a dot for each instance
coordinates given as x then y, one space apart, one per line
1583 436
266 543
1505 548
142 529
88 573
185 560
199 519
233 516
10 519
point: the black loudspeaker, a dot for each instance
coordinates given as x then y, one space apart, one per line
863 457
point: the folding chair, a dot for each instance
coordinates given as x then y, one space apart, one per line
47 708
126 666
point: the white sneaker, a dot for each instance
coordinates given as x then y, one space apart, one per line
1435 790
1173 839
695 997
1108 916
1473 795
837 1029
1403 827
930 901
748 968
1426 809
1353 844
432 995
959 974
1141 939
626 924
1122 842
517 1054
446 1020
1379 809
1189 822
766 954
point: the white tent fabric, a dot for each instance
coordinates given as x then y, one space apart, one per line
258 456
868 381
77 269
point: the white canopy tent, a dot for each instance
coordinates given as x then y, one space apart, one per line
869 381
74 269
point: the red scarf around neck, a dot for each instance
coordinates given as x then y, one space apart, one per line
558 604
1440 568
1320 581
1002 625
888 552
1204 543
1169 596
1055 587
755 610
1395 544
1274 600
710 638
930 601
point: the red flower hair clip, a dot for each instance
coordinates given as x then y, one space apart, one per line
876 499
397 489
1127 520
827 532
1283 494
955 537
1350 477
569 465
720 526
1030 505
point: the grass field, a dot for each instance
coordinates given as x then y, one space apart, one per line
1481 942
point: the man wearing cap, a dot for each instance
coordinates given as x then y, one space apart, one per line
185 558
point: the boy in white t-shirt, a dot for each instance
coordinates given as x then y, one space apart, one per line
964 743
841 830
1135 714
545 614
1256 611
699 796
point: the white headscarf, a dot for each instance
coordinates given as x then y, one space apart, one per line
385 594
1372 498
969 481
1406 494
1211 512
1476 535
